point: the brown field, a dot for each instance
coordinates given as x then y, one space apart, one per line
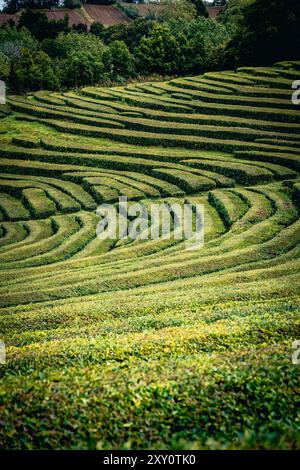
106 14
75 17
144 8
5 18
215 11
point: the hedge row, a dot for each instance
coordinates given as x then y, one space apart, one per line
271 82
63 201
220 180
145 188
230 88
28 142
35 168
189 182
242 173
234 99
227 77
166 140
287 115
65 193
80 104
221 132
12 232
149 88
178 128
47 97
237 210
131 164
202 84
122 188
47 113
258 71
273 72
67 110
73 234
38 231
279 172
38 203
190 88
282 242
226 206
141 99
165 188
107 160
286 159
205 118
12 208
294 144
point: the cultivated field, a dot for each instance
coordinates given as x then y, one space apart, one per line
75 16
144 344
107 15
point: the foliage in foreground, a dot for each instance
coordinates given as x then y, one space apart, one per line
178 399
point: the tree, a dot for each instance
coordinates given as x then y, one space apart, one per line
130 33
269 32
72 4
202 42
55 55
97 29
233 14
82 68
4 67
118 60
200 8
39 25
81 58
13 6
34 71
160 52
73 42
136 30
177 9
101 2
80 28
13 40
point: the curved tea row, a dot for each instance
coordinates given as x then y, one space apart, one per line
138 342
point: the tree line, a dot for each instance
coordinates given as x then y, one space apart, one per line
44 54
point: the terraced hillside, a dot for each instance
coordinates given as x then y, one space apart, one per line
144 344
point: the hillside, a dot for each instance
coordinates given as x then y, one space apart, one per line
154 9
108 15
144 344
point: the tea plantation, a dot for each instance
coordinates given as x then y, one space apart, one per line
142 343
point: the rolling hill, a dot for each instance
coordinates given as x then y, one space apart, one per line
144 344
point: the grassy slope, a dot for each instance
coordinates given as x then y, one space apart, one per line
144 344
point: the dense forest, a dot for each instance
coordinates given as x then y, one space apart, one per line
40 53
